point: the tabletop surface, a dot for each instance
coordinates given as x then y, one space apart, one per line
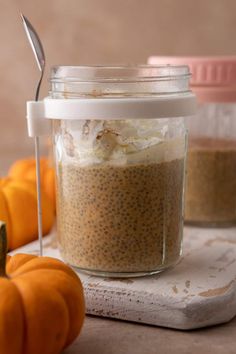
106 336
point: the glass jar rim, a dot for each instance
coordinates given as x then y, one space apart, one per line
118 73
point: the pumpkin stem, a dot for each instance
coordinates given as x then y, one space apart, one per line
3 249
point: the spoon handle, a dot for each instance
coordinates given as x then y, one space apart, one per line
38 51
39 202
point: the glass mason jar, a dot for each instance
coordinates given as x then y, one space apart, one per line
211 164
120 160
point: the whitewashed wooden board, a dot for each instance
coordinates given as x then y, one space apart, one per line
200 291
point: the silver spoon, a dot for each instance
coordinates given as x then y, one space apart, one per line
38 51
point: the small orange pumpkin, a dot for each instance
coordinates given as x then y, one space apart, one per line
18 208
26 169
41 303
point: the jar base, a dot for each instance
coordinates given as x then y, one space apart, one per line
120 275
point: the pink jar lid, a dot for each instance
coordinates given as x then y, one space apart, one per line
213 78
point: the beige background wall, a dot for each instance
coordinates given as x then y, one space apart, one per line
100 31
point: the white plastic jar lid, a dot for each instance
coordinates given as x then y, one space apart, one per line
114 108
40 113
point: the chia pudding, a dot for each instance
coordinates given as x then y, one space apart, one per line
120 207
211 182
121 219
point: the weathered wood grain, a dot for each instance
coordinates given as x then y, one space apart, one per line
200 291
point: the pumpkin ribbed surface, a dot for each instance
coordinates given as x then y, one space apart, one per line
41 303
18 208
26 169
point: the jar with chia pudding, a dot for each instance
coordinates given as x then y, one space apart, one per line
211 163
119 148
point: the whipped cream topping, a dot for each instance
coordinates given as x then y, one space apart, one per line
119 142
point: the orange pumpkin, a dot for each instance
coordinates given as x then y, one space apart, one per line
42 304
26 169
18 208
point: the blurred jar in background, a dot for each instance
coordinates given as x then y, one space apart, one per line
210 198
